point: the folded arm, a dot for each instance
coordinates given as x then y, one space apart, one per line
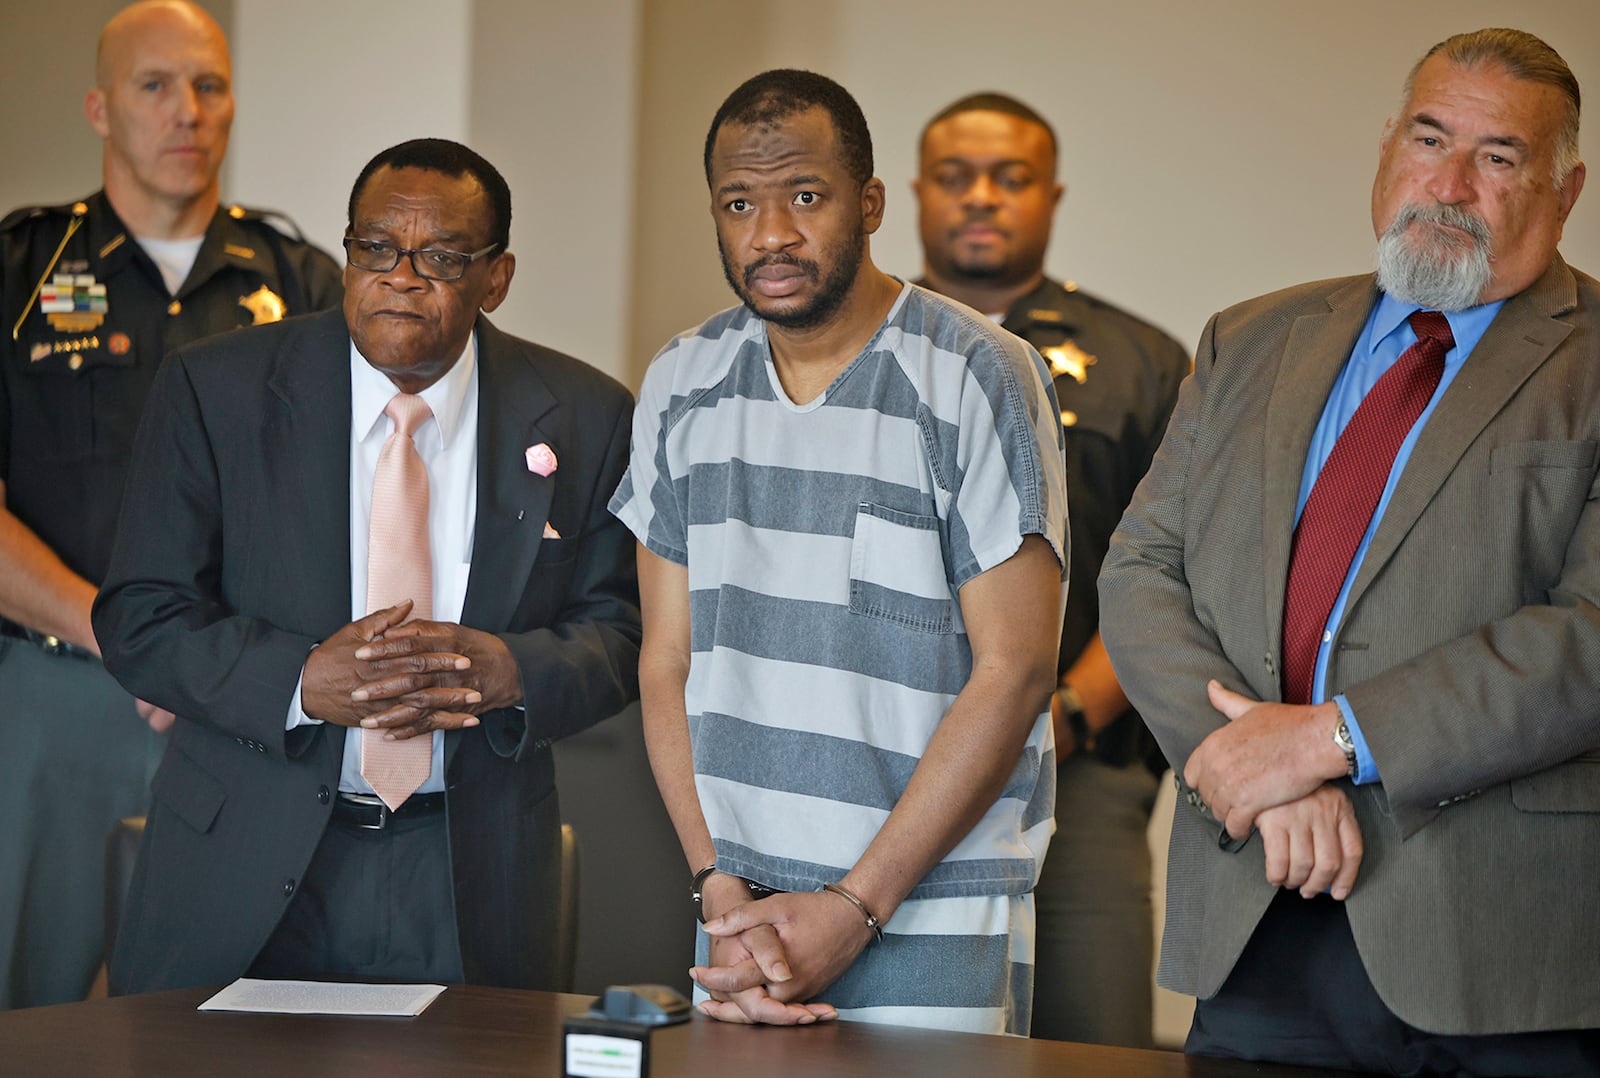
1263 765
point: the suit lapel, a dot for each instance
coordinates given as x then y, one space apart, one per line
513 502
1313 355
311 377
1523 335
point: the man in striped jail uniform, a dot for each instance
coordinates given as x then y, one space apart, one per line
850 503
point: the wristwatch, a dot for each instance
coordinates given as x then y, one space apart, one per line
1077 722
1347 745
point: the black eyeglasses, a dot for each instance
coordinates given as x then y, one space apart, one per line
434 263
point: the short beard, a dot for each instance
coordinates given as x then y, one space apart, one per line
994 269
844 260
1435 269
1000 271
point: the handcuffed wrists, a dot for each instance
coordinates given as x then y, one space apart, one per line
872 922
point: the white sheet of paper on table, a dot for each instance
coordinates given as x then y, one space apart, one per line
323 997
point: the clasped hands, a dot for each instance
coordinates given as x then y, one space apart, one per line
1268 768
407 678
770 956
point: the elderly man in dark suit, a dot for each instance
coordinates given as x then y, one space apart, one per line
246 594
1357 598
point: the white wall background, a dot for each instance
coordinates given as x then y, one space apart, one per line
320 87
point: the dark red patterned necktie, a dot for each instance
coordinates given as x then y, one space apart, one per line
1346 493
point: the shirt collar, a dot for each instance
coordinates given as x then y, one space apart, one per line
1465 326
371 391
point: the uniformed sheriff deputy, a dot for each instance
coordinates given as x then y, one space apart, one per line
92 294
986 192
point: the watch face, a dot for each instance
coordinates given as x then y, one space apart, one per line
1347 745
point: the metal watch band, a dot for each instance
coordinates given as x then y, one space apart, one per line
1347 745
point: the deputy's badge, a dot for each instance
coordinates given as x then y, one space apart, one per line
39 351
1071 360
119 344
264 305
73 302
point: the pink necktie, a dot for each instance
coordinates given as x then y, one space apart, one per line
1346 493
399 567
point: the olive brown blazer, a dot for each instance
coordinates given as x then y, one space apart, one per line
1469 650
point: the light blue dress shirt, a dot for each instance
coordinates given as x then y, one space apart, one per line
1386 337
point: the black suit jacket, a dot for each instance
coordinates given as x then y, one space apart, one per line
233 560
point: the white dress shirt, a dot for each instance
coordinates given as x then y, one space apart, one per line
448 446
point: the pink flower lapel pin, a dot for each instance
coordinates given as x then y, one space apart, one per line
541 459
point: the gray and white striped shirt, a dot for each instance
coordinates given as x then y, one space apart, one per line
825 545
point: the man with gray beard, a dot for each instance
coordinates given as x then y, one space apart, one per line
1357 598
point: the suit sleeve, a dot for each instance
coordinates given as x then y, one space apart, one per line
584 666
1162 652
166 630
1477 660
1515 696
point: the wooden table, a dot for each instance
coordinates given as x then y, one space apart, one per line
495 1031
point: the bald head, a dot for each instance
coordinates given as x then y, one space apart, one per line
123 34
163 104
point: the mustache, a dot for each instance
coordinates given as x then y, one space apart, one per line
978 217
1451 216
809 268
1433 268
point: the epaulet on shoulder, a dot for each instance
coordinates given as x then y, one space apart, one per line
1101 304
29 213
274 219
1095 300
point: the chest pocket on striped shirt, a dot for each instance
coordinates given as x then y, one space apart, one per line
897 569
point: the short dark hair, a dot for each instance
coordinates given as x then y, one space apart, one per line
778 94
990 101
1524 57
452 159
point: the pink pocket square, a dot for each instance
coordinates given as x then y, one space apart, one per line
549 532
541 459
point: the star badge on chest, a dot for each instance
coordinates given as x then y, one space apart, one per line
1068 359
264 306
